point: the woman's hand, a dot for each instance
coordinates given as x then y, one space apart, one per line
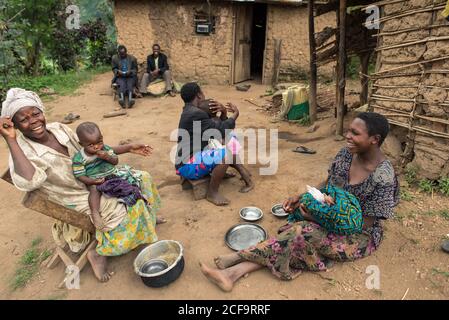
7 128
215 106
291 204
141 149
307 216
232 107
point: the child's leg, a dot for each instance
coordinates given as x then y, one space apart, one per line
94 204
244 173
94 199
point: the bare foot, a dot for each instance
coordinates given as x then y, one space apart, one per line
99 264
226 261
217 199
218 277
247 188
229 175
161 220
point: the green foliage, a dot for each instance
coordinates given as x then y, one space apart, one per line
304 121
406 196
62 83
443 185
353 67
34 39
443 273
426 185
29 264
99 48
36 21
442 213
410 175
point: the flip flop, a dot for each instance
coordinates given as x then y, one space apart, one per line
302 149
445 246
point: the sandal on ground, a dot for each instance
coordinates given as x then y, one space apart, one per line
70 117
445 246
302 149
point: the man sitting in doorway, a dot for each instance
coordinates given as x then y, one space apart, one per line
124 67
157 68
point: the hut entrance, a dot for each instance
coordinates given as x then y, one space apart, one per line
258 40
250 28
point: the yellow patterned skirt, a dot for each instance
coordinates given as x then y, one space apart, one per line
137 228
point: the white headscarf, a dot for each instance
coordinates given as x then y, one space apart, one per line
17 98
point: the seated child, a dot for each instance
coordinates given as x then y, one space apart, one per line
95 165
233 146
333 208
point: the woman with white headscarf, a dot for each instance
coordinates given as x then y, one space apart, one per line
41 158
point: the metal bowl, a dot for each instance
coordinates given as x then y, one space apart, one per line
154 266
278 211
160 263
245 235
251 213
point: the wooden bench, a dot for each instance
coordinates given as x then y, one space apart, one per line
199 187
39 202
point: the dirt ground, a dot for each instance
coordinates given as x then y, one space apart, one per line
409 258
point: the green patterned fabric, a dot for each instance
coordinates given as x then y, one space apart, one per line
343 218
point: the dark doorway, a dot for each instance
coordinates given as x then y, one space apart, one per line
258 34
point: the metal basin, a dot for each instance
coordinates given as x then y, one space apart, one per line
160 263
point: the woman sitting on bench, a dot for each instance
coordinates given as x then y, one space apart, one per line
40 158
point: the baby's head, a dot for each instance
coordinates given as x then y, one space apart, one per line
90 137
337 181
204 105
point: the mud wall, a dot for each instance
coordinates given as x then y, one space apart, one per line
414 95
291 25
191 56
141 23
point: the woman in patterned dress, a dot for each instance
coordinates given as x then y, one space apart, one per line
305 245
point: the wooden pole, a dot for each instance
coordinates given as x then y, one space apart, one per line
277 61
364 80
341 81
313 67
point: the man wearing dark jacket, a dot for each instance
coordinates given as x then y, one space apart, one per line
124 67
157 68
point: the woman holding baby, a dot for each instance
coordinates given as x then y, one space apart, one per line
306 245
41 158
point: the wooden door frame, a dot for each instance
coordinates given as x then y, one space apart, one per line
234 25
266 45
234 33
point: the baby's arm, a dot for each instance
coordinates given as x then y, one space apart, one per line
137 148
328 200
89 181
111 158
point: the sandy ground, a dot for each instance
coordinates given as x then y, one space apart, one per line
408 258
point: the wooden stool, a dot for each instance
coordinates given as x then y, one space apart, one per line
199 187
38 201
